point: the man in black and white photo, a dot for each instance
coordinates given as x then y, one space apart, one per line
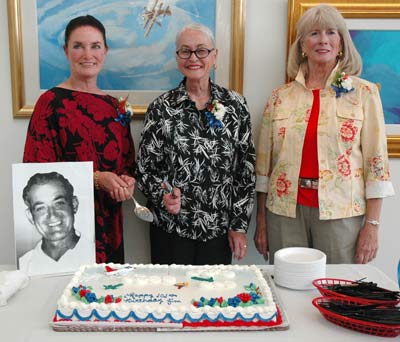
51 208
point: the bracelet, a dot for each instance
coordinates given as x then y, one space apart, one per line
373 222
239 230
96 180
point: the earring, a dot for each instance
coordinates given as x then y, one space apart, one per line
340 54
215 66
303 55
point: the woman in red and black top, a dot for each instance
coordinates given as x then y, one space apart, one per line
76 121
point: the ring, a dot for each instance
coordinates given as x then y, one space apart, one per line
244 246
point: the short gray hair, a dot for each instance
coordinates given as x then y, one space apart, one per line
196 27
323 16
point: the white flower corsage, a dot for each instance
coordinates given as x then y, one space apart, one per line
342 83
215 113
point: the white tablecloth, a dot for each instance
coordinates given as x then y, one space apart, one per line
27 315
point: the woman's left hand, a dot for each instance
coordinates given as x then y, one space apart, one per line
238 244
367 244
172 201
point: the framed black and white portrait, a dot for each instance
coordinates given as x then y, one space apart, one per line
53 216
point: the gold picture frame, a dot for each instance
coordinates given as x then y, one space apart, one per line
358 9
23 109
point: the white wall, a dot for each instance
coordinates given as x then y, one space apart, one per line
265 51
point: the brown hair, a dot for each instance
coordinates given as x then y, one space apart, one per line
84 20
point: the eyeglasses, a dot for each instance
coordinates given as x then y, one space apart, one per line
200 53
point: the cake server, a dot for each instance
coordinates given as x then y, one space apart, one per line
142 212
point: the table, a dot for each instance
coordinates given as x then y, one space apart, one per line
27 315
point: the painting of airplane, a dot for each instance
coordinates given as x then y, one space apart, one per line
150 16
152 70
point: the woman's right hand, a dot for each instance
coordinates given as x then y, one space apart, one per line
260 236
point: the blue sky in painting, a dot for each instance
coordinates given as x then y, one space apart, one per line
133 61
380 52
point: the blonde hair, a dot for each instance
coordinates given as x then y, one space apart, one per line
323 16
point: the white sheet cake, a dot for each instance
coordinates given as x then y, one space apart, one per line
172 297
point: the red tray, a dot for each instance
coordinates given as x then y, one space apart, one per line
371 328
322 285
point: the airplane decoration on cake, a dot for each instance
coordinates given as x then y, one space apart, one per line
118 271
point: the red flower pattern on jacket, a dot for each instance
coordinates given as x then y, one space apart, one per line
282 132
348 131
283 185
377 168
343 165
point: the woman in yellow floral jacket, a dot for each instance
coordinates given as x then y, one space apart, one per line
322 164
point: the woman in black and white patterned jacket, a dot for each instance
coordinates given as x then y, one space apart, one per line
197 137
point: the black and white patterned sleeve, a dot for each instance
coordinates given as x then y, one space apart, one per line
244 169
150 158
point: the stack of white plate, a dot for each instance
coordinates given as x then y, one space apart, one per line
296 267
